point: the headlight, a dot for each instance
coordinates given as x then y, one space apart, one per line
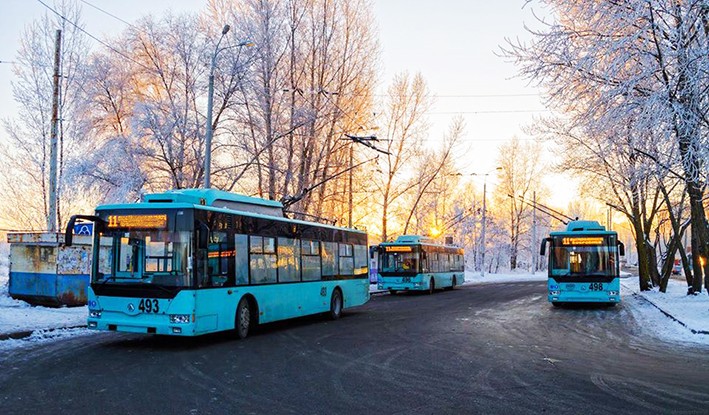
95 313
180 318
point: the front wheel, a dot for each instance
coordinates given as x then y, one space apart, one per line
336 304
392 292
243 319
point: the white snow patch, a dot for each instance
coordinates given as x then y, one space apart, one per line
691 310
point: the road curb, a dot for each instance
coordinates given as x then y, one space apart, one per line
635 294
18 335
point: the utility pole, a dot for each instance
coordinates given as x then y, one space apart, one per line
52 213
482 234
535 257
350 184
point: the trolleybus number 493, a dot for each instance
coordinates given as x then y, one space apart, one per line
148 305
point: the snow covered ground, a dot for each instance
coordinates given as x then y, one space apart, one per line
673 316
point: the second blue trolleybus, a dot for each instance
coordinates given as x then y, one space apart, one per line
414 263
584 264
191 262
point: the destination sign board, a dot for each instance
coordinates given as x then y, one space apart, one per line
398 249
138 221
582 240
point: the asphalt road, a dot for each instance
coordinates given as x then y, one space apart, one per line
479 349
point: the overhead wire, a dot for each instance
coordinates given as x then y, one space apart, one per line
92 36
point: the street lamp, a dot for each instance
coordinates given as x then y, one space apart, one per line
210 103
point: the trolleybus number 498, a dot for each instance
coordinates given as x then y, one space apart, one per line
148 305
595 286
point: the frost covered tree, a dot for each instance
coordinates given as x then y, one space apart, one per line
309 84
519 177
407 101
25 156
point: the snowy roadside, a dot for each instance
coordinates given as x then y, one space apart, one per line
674 315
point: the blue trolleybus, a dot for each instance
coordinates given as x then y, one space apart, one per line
191 262
414 263
584 264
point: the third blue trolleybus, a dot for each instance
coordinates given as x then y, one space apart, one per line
584 264
415 263
194 261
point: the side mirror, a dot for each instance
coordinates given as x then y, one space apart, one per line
99 225
621 248
543 248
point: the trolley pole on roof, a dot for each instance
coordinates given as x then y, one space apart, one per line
53 143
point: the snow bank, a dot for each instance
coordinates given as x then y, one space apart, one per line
674 315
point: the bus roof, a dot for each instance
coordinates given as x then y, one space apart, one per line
416 240
217 201
583 226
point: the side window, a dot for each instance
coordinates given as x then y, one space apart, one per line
262 261
241 258
360 260
346 259
220 259
329 259
311 260
288 260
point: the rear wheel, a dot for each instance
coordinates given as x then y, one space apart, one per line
392 292
556 304
336 304
454 282
243 318
431 286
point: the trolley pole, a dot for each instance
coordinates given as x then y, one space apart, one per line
54 139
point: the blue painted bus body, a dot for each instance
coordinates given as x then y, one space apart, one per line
182 262
213 310
413 263
583 264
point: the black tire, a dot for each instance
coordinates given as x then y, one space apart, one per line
242 321
392 292
556 304
453 283
336 303
431 286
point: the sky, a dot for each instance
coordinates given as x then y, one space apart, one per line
452 43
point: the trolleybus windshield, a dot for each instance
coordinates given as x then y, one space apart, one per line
156 257
583 256
399 259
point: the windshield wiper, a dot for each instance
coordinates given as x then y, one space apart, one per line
107 279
